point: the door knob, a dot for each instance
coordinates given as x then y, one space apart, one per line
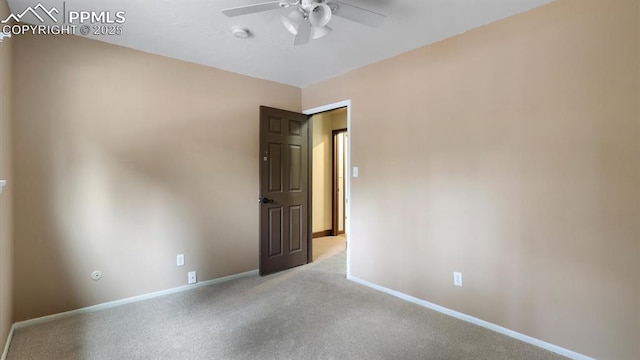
265 200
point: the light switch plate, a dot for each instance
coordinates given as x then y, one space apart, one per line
355 171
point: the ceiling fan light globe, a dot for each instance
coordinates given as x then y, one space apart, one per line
292 21
319 32
319 15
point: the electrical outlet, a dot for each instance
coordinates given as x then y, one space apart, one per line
180 260
192 277
457 278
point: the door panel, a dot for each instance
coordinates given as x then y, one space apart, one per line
275 233
295 228
284 190
275 167
295 170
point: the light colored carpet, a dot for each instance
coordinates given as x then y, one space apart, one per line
310 312
328 246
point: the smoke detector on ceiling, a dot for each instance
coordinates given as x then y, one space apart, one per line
240 32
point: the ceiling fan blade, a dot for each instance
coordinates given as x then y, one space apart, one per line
304 33
357 14
251 9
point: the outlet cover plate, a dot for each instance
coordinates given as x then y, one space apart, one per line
192 277
457 278
180 260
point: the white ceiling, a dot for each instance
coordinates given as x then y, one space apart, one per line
196 31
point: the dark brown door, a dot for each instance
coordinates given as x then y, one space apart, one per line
284 190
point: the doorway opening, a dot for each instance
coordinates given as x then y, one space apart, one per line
329 183
287 180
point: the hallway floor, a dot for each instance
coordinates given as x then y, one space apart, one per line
328 246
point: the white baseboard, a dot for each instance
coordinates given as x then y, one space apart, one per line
485 324
129 300
499 329
6 345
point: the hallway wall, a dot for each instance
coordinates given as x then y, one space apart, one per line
323 126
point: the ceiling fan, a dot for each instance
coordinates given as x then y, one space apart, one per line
309 18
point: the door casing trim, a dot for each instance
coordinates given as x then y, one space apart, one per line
321 109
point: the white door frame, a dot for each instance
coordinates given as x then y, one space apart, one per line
347 225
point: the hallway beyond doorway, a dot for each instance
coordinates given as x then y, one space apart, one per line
327 246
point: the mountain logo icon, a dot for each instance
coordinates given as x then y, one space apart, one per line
34 11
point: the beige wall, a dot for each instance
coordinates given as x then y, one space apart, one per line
516 146
510 153
323 126
6 241
339 119
321 181
123 160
